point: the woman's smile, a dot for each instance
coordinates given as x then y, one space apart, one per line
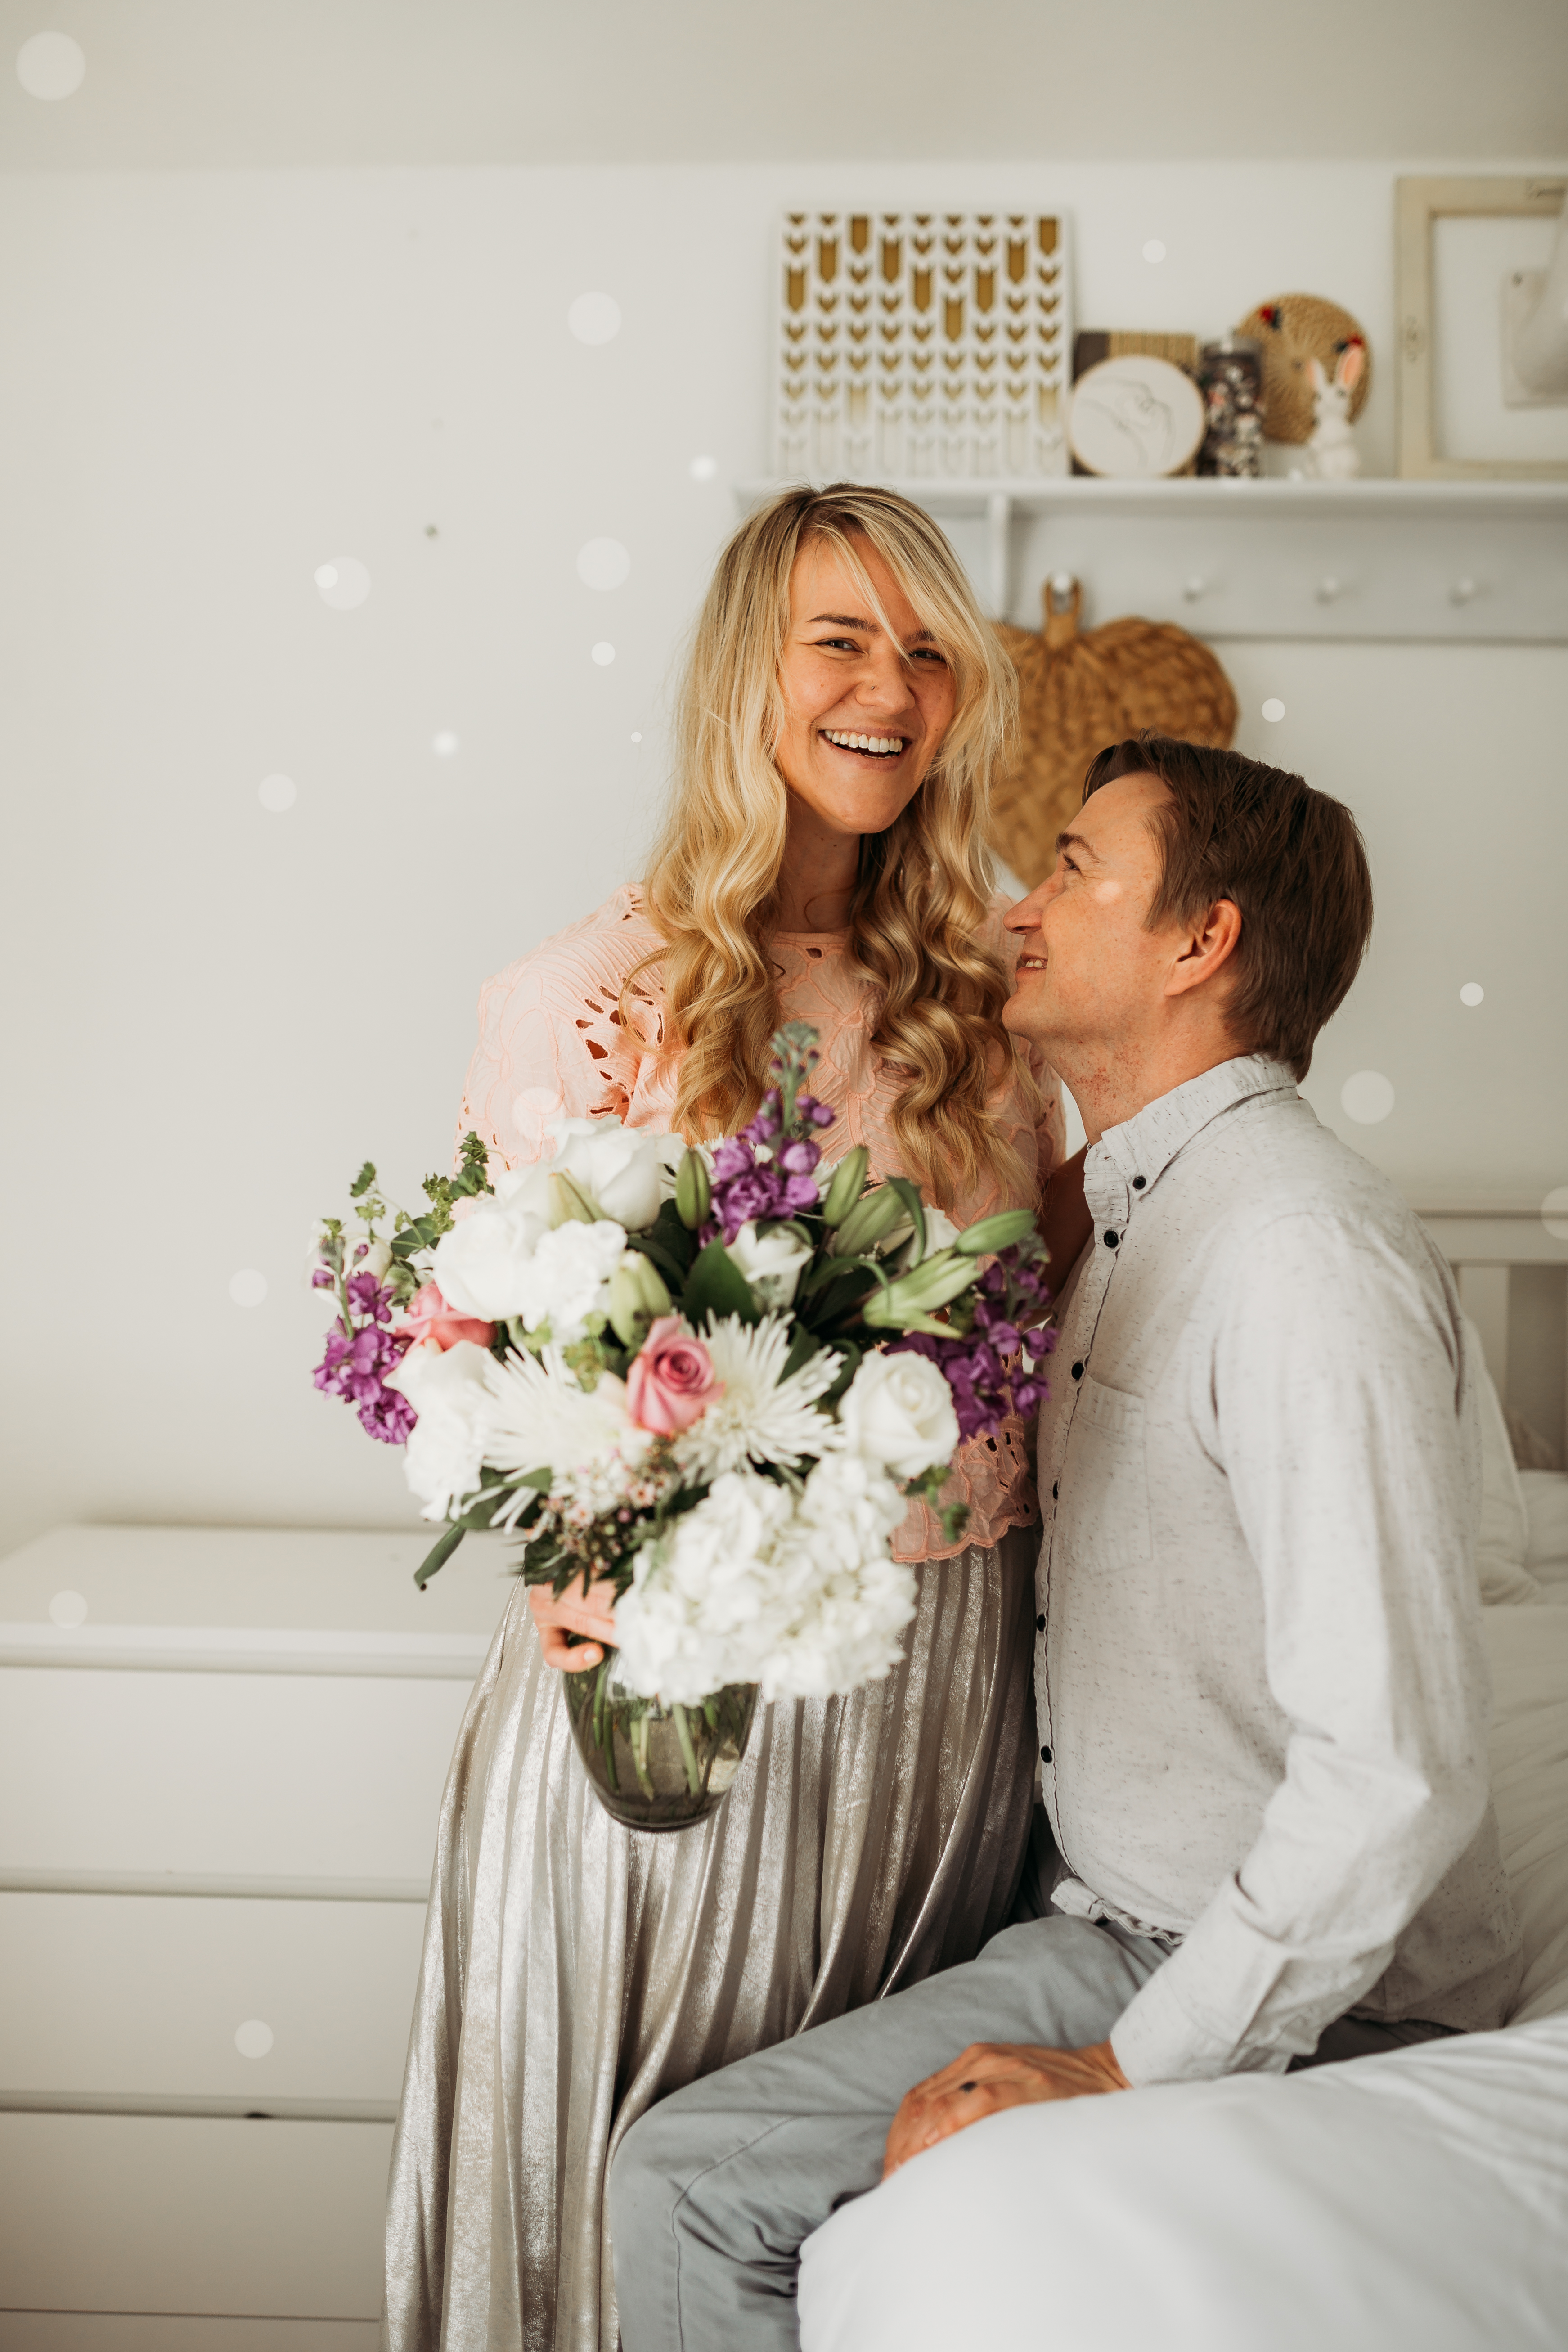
873 746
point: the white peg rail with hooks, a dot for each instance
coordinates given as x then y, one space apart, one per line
1478 563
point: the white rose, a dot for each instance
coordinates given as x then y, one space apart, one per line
566 1280
623 1173
482 1263
446 1451
770 1261
897 1412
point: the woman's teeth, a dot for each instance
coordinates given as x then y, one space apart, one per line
883 744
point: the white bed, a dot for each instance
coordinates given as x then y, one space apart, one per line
1416 2202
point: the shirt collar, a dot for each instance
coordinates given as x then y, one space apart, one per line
1146 1145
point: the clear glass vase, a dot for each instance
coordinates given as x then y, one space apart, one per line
656 1767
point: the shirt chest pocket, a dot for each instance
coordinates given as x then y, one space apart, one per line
1105 1485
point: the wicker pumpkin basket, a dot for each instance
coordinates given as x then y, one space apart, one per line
1079 691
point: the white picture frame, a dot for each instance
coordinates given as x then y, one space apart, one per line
1422 377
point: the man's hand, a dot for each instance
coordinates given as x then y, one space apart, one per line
594 1616
989 2076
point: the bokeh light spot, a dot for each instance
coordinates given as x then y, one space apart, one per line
253 2039
277 793
603 564
1472 993
702 469
68 1609
637 735
1274 710
445 745
1366 1097
594 318
603 653
247 1288
1154 250
52 64
342 584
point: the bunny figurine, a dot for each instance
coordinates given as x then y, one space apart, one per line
1332 455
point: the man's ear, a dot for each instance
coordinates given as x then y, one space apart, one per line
1204 948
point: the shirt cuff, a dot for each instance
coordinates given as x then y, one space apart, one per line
1155 2040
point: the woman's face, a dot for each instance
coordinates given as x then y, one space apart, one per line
862 721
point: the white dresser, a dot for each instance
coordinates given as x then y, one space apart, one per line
221 1785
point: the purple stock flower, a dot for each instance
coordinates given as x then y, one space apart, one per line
355 1362
984 1368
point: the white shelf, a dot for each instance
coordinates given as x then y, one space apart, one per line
1466 561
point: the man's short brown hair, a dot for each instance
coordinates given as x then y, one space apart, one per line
1291 859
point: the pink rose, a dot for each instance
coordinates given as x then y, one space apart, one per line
430 1318
670 1384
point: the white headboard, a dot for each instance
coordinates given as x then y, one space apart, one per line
1513 1283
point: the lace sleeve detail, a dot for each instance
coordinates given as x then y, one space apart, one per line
552 1041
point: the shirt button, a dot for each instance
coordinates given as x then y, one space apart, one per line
1040 1624
1111 1240
1077 1371
1045 1755
1139 1183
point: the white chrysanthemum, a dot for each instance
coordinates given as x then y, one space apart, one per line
565 1279
540 1419
760 1417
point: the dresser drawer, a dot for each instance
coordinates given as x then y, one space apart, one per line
164 2214
224 1774
122 1994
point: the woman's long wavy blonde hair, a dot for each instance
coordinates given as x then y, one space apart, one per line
917 915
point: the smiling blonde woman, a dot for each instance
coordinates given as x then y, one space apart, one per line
843 710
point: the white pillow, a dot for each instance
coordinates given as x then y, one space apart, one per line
1505 1528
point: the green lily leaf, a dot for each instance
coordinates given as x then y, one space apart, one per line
716 1286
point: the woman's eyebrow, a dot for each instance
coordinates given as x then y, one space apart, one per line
853 620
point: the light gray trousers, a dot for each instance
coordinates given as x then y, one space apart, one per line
716 2189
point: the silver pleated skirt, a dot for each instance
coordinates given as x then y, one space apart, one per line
575 1971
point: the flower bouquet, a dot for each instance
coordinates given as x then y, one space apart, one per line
716 1377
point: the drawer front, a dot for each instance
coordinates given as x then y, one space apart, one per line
235 1775
152 2213
124 1994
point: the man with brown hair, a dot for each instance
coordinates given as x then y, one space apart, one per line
1261 1697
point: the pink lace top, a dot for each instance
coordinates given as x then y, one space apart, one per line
552 1040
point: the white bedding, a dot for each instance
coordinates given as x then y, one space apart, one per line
1412 2203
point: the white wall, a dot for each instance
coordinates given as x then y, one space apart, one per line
217 381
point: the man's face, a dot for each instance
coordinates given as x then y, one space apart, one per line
1092 980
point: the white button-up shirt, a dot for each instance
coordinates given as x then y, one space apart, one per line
1262 1696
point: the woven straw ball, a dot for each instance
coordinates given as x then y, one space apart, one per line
1077 693
1293 329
